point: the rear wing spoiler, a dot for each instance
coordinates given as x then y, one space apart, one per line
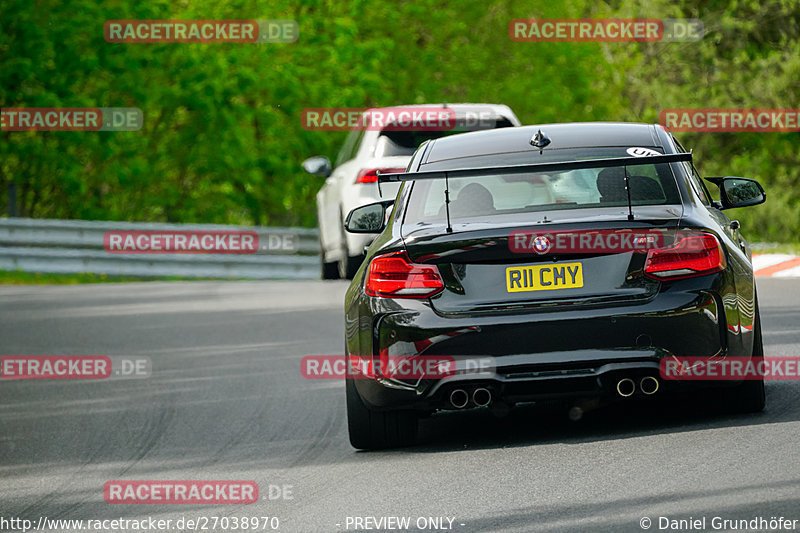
536 167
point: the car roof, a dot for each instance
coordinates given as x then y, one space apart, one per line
562 136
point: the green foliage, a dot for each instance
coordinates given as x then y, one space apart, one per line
222 139
749 58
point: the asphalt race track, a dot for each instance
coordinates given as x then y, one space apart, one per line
226 401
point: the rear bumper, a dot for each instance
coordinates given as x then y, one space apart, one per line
510 386
544 355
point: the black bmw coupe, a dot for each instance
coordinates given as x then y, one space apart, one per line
551 262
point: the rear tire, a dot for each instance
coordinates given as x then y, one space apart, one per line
348 266
376 430
750 396
327 270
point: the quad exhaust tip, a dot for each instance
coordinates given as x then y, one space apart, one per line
482 397
459 398
649 385
626 387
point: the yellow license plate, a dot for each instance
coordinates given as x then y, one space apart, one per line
544 277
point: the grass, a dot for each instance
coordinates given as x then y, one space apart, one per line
17 277
775 248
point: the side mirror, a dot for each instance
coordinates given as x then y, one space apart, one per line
370 218
739 192
318 166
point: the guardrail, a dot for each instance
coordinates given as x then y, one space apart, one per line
76 246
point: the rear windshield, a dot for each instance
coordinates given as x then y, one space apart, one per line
391 143
575 189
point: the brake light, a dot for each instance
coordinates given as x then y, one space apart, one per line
695 254
370 175
395 276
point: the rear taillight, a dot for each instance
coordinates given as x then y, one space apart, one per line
370 175
695 254
395 276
